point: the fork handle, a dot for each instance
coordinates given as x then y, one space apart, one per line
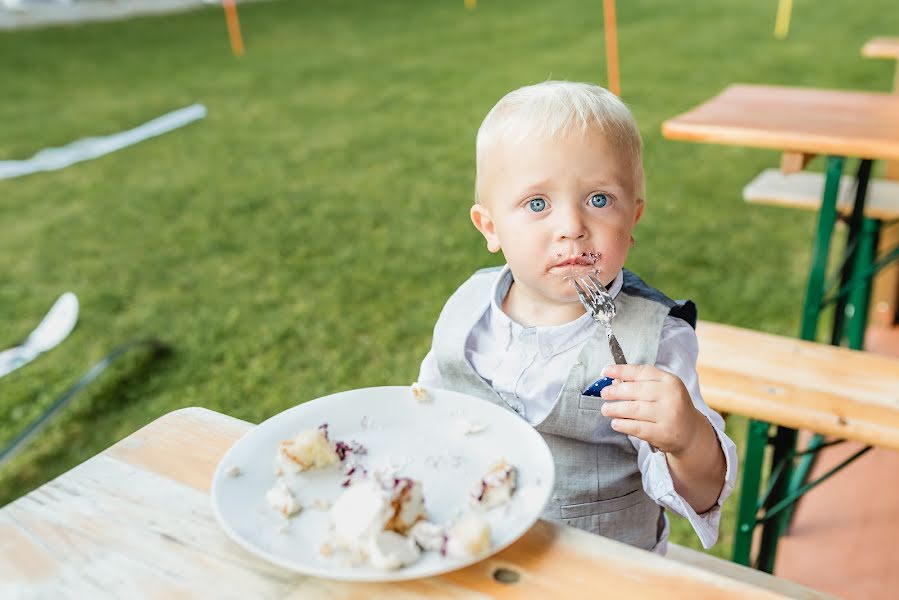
615 347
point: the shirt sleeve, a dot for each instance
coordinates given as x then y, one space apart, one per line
428 373
678 351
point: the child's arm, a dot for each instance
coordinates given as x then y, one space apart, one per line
655 406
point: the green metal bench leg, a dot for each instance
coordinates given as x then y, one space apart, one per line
784 445
785 440
859 297
756 441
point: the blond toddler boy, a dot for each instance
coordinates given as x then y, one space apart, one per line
559 189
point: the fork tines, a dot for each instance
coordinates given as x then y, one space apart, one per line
599 298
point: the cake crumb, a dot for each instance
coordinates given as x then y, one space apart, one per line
320 504
419 393
473 427
234 471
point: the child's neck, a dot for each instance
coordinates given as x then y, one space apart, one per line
528 311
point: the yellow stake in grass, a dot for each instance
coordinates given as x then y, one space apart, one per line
782 22
233 24
470 4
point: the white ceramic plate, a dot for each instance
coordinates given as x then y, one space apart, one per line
425 441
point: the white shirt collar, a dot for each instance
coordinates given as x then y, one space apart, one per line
548 340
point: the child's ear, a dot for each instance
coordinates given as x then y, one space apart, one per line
641 204
480 216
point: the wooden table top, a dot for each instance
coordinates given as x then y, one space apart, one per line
136 521
792 119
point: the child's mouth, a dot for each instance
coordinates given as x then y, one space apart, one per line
585 259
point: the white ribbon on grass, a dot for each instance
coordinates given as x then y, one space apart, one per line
54 328
52 159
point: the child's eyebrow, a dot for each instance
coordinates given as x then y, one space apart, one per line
601 183
536 186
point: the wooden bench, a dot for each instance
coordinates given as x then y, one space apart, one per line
831 390
795 385
805 189
713 564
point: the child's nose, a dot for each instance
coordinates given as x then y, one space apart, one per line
570 224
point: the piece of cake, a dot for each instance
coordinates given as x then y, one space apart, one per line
497 486
282 499
468 537
372 506
309 449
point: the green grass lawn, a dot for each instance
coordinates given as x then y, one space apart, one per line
302 239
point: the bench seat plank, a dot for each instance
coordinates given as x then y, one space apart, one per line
835 391
805 189
881 47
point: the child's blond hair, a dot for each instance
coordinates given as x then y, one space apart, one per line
559 108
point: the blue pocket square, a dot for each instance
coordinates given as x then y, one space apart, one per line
596 387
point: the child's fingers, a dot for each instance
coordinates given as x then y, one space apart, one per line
630 390
641 429
636 410
633 372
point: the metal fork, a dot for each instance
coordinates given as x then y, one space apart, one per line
598 302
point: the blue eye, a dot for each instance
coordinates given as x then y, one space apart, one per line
599 200
537 204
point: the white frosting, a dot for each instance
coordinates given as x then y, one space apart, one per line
282 499
389 550
468 537
430 536
360 513
371 508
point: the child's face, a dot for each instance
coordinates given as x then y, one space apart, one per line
557 208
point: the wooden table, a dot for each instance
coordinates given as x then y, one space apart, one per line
135 521
803 122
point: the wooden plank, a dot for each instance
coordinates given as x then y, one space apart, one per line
804 385
805 189
881 47
130 520
185 445
731 569
793 162
809 120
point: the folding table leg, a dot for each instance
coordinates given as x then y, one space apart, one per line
827 216
756 441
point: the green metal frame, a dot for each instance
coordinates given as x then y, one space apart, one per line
786 482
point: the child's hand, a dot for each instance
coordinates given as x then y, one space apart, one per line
653 405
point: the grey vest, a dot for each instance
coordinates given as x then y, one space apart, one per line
598 484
